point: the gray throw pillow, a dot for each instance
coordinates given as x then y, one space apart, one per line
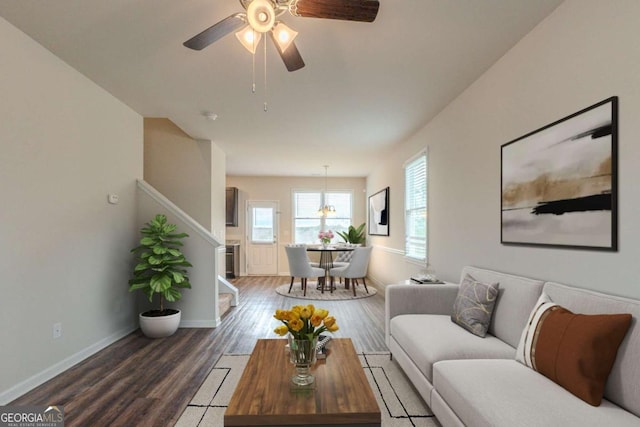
474 304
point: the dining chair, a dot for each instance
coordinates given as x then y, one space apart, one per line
343 259
356 269
299 267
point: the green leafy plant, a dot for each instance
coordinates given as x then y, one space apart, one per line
161 265
353 235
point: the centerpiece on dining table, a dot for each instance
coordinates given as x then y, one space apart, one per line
303 324
325 237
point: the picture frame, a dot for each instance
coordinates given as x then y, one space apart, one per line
378 219
559 183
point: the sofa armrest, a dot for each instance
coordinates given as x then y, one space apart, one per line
418 299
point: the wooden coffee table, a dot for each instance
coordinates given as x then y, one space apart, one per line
342 394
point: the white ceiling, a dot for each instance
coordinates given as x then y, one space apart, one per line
365 86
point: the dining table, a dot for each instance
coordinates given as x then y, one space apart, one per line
326 257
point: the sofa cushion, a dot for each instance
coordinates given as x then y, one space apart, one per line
516 297
623 385
506 393
474 304
575 351
429 338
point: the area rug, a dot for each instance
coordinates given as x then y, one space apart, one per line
400 405
340 293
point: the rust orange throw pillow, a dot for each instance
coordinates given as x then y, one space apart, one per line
576 351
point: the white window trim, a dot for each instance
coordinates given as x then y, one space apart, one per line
408 258
322 201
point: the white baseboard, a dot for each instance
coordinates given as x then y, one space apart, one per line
44 376
379 285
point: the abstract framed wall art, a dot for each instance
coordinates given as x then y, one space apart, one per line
560 182
379 213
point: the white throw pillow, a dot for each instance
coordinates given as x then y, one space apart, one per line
523 351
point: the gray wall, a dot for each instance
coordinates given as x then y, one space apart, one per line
64 251
584 52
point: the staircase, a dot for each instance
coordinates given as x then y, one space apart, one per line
205 248
224 303
228 295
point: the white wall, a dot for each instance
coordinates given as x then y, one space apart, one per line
179 167
218 193
65 144
584 52
280 189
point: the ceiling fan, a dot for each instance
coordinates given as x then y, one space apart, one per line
262 16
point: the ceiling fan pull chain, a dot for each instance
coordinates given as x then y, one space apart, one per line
265 75
253 64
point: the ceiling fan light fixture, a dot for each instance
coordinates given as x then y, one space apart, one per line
261 15
249 38
284 35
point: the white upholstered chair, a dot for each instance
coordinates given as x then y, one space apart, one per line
344 258
299 267
356 269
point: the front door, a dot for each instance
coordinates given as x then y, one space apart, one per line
262 238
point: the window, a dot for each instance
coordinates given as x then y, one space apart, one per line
415 216
307 223
262 227
342 219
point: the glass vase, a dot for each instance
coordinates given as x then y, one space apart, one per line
302 354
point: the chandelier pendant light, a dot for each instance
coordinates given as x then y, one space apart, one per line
326 209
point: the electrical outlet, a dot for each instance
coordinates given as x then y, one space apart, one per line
57 330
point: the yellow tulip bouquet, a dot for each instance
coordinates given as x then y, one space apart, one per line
304 322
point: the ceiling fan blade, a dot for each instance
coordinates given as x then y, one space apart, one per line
348 10
216 32
291 57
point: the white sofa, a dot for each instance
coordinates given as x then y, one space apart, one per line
473 381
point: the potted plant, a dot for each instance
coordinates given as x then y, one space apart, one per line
160 269
354 235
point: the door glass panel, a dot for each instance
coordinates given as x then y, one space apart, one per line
262 230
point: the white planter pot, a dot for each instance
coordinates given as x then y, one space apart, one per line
161 326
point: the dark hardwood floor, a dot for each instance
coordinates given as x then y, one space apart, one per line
139 381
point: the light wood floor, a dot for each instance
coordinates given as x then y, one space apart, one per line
143 382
